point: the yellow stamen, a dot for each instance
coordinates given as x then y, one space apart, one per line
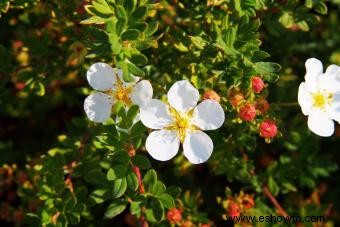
182 123
121 93
320 100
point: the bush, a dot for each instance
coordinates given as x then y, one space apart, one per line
243 61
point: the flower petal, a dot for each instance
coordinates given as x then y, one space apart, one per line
197 147
101 76
330 81
98 107
313 71
183 96
304 99
155 114
162 145
208 115
142 93
320 124
334 110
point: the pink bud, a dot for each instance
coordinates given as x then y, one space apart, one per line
257 84
247 112
268 129
174 215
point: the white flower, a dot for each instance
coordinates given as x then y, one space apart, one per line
181 122
319 97
108 81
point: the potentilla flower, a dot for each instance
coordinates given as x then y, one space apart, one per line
174 215
112 88
247 112
257 84
210 94
268 129
319 97
181 122
234 210
247 201
235 96
262 106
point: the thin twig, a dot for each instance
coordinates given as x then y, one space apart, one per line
136 170
273 200
139 177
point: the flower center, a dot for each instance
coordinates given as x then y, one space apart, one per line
321 99
182 123
122 93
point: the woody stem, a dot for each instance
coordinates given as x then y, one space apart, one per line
273 200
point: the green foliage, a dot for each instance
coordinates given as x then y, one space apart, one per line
99 174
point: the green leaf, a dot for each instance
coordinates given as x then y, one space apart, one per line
115 208
158 188
135 70
230 37
151 28
100 195
120 26
118 171
130 5
104 9
320 7
139 13
157 209
309 3
268 70
273 187
149 179
135 207
137 129
287 19
121 157
198 42
166 200
120 12
139 59
126 74
111 25
140 26
116 46
141 161
131 34
119 187
131 114
93 20
259 55
132 181
111 175
303 25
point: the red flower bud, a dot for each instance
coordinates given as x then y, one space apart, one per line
235 96
234 210
247 201
268 129
257 84
210 94
247 112
174 215
262 106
